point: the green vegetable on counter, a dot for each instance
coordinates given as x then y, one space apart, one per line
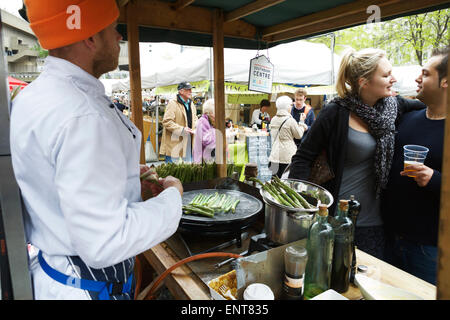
283 193
191 172
207 205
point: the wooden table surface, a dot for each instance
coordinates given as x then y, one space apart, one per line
184 284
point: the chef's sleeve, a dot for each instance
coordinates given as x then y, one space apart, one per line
91 179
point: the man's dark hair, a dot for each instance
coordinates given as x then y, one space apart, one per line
264 103
442 66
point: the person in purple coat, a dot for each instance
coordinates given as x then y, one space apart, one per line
205 135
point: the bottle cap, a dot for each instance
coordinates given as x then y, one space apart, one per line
323 210
258 291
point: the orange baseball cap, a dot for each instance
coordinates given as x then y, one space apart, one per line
58 23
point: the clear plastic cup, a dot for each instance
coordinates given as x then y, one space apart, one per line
413 154
413 148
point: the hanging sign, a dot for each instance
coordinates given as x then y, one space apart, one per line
261 75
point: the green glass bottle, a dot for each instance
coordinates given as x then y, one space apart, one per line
319 246
343 249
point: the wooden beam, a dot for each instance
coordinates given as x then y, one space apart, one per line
443 272
249 9
342 21
326 15
159 14
180 4
135 70
219 93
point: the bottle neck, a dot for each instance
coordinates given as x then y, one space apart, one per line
322 219
342 213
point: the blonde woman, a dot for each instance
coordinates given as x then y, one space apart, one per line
357 133
205 135
284 129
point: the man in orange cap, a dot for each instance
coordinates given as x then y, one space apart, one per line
76 160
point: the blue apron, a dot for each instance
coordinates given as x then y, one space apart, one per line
111 283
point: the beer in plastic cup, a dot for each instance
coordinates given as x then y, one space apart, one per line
411 158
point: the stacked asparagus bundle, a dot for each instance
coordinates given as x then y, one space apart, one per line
188 172
283 193
207 205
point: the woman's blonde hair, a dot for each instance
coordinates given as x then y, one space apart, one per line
208 107
356 65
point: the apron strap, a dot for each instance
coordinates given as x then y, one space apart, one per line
104 288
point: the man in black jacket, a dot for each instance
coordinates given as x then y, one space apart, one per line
411 205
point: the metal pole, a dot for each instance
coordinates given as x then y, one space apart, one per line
157 128
11 207
333 38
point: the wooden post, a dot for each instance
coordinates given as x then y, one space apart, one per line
219 93
135 70
443 276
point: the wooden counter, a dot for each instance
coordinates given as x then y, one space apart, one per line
184 284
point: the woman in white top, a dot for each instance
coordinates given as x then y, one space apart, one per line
283 129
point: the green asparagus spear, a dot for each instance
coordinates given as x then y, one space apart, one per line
294 193
235 203
195 210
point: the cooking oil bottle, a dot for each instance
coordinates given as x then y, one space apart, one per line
319 246
343 248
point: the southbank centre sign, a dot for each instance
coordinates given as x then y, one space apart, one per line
260 75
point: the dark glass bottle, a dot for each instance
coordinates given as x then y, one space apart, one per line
343 248
319 246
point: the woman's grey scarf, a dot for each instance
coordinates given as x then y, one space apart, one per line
381 122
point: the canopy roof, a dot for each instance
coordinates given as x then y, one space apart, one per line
299 62
253 24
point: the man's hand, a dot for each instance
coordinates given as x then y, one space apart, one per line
172 182
188 130
422 174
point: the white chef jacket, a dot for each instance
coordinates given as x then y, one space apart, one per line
77 165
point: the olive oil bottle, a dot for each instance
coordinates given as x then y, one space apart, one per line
319 246
343 248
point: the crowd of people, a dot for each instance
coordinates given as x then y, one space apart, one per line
76 158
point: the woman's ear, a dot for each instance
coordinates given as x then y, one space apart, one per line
362 82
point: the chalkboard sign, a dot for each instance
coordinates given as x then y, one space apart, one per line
258 148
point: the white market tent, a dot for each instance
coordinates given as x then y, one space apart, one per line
299 62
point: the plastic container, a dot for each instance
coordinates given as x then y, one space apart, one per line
258 291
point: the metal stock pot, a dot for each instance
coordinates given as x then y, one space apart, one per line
283 224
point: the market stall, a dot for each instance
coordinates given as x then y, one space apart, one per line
250 241
226 27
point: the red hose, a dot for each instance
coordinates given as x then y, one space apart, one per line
186 260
